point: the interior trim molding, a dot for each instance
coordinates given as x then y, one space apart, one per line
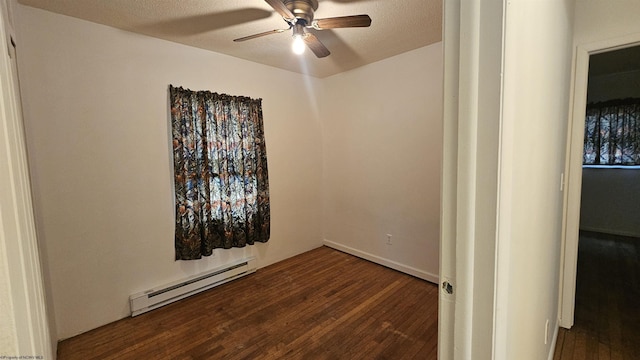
424 275
554 340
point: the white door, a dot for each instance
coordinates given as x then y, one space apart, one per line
24 329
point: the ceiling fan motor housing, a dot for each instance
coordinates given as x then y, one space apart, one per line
302 9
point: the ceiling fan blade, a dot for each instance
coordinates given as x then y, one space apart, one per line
276 31
279 6
315 45
342 22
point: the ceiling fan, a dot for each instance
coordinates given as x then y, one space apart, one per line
299 15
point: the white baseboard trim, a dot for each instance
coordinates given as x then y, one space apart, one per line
554 340
424 275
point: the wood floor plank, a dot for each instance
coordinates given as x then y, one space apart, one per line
580 345
607 318
323 304
559 342
604 352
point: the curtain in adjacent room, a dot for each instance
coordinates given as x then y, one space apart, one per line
220 172
612 133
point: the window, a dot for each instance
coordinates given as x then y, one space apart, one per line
220 172
612 133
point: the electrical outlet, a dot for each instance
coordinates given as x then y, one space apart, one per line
389 241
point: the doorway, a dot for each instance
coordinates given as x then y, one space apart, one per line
607 261
574 170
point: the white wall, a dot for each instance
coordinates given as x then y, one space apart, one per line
536 89
611 201
382 136
602 20
614 86
96 114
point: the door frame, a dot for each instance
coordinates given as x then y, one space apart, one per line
448 179
27 324
573 168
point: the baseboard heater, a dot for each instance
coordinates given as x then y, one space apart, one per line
157 297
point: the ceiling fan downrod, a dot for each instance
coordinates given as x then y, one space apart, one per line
302 9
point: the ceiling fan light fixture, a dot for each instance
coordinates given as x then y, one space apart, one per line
298 45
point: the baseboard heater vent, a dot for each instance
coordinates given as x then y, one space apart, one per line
155 298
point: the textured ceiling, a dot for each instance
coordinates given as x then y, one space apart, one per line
397 27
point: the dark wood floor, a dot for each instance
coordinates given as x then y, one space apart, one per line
323 304
607 313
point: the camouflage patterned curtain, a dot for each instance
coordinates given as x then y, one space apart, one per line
220 172
612 133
